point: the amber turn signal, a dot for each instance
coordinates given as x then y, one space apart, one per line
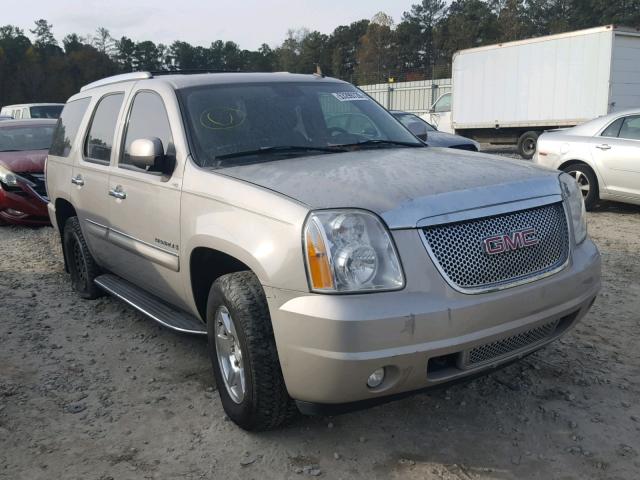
318 259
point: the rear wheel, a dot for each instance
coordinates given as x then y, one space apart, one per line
587 182
527 144
243 352
82 267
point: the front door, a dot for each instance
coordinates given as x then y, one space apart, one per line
145 204
440 116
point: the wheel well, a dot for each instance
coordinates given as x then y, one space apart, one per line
64 210
206 265
572 162
580 162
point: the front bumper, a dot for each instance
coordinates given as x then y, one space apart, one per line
23 206
329 344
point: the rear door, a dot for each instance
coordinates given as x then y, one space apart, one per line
90 180
144 208
617 156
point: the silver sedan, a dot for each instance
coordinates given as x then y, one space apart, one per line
603 155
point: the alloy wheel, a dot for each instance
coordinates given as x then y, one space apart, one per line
582 180
229 355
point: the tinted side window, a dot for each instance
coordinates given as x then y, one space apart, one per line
148 118
67 127
613 129
99 142
631 128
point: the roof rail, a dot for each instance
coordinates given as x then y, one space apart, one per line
190 71
118 78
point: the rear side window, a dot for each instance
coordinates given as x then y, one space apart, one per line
631 128
45 111
67 127
613 129
148 118
99 141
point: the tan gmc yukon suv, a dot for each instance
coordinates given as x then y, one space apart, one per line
332 259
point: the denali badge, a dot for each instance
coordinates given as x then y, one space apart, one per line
510 241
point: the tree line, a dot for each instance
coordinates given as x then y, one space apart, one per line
38 68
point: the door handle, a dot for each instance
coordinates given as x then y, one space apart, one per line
604 146
77 180
118 193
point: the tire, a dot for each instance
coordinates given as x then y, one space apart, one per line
82 266
527 144
262 401
587 181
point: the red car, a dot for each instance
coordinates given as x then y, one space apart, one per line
24 145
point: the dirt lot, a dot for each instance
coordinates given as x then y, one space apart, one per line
93 390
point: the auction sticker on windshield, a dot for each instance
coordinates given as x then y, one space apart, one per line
350 96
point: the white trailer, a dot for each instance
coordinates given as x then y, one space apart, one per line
512 92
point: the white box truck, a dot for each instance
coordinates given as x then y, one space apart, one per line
511 92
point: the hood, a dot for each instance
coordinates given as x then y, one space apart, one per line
30 161
402 185
444 139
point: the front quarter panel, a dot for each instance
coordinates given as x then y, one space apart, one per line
261 228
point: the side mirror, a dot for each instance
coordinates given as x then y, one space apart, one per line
419 130
144 152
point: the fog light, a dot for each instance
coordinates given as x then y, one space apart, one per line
376 378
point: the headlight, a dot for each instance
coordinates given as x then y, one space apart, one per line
8 177
573 198
348 251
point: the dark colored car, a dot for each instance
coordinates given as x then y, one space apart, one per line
24 145
430 135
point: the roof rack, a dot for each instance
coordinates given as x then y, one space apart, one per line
125 77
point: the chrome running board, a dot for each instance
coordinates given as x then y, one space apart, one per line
150 305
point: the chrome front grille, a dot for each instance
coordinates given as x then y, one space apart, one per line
496 350
458 249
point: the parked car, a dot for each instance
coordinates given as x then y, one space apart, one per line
32 110
23 150
603 155
429 134
5 117
331 267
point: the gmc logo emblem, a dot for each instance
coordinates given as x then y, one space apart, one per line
510 241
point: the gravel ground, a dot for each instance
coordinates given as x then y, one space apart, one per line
93 390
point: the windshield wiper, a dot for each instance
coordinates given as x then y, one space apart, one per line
281 149
367 143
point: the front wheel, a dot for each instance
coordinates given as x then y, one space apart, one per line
243 352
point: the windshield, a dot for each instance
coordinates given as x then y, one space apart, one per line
234 124
408 119
36 137
46 111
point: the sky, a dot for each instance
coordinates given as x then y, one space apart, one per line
249 23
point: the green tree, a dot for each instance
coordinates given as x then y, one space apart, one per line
425 16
